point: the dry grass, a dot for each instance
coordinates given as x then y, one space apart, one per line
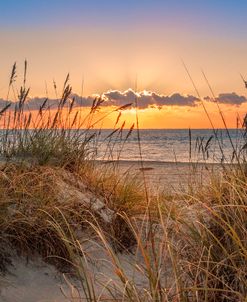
31 196
51 192
196 250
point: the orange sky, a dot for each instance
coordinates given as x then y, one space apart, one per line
156 63
168 117
110 59
107 44
185 117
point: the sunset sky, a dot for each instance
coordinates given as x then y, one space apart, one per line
110 43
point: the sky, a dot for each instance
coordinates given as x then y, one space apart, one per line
109 44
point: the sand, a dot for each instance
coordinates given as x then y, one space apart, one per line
37 281
32 281
168 175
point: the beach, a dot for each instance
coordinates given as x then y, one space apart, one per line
172 176
123 151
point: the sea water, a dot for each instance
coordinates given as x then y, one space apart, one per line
172 145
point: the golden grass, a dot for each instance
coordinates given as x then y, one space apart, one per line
196 250
192 249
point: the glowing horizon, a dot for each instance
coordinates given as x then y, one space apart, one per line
154 110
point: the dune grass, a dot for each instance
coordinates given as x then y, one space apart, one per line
55 199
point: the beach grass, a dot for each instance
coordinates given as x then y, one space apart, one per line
55 200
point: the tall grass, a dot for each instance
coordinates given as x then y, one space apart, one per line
56 201
57 135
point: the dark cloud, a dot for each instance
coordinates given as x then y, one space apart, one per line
36 103
82 101
229 99
3 103
175 99
118 98
146 98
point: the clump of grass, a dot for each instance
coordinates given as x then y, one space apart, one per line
32 196
123 193
28 197
50 135
216 259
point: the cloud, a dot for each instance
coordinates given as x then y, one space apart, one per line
144 99
36 103
118 98
3 103
82 101
229 99
175 99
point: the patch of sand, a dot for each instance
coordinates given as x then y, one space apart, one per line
169 175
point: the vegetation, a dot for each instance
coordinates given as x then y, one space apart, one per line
55 200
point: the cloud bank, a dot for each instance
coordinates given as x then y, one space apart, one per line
143 100
229 99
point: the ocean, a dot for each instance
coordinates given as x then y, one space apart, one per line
172 145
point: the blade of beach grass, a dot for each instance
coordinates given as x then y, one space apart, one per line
190 144
74 247
222 118
140 146
245 82
55 88
205 109
12 79
25 74
125 139
119 271
5 109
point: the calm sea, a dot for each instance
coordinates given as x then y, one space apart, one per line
171 145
